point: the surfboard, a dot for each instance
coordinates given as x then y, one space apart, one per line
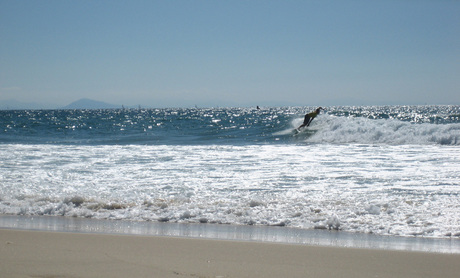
304 132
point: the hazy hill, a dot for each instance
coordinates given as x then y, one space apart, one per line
86 103
83 103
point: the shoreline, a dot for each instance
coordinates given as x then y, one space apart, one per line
258 234
27 253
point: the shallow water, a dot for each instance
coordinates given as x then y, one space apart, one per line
232 232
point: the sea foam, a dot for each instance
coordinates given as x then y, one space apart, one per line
332 129
381 170
388 190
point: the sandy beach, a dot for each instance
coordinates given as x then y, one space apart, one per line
63 254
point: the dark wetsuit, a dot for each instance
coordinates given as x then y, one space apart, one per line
308 118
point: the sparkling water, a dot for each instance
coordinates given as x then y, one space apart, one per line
391 170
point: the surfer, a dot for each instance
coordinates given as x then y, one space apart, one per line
309 117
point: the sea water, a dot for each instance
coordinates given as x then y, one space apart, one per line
387 170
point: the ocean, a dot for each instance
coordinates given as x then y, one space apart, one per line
382 170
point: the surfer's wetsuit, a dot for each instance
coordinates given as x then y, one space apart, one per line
309 117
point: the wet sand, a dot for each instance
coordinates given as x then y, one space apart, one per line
64 254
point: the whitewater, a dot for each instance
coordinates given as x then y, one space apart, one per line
392 170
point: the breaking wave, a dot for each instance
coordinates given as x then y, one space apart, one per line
334 129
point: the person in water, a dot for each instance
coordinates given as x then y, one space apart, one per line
309 117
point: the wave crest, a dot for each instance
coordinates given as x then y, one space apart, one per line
332 129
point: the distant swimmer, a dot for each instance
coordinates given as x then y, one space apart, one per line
309 117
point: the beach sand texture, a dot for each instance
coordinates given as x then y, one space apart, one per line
55 254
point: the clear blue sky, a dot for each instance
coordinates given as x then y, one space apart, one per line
231 53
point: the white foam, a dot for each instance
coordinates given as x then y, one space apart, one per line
361 130
383 189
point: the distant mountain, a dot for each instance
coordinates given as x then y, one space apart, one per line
86 103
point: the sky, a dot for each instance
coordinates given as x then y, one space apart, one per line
231 53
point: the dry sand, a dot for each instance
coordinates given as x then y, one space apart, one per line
53 255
